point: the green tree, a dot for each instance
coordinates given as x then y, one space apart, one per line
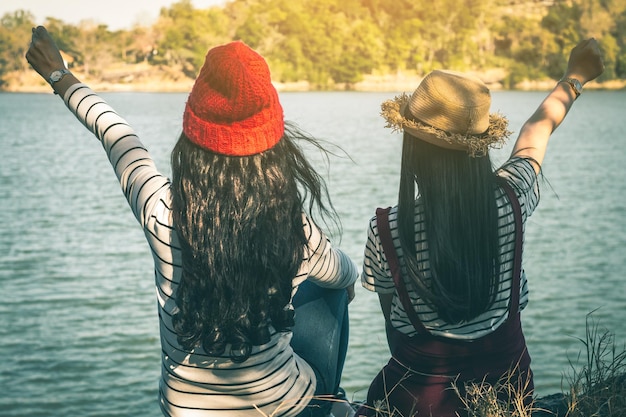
521 47
15 32
329 42
93 48
140 45
600 19
361 53
619 34
186 34
563 23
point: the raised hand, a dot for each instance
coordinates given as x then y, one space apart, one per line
43 54
585 61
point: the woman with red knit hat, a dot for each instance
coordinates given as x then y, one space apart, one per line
252 297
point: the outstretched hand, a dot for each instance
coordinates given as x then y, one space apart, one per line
585 61
43 54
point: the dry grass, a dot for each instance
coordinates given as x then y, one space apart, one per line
598 389
509 397
595 389
288 403
383 408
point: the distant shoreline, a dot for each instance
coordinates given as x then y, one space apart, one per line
154 81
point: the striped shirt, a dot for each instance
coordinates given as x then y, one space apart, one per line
274 379
377 277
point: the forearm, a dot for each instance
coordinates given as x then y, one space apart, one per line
535 133
334 269
61 86
584 64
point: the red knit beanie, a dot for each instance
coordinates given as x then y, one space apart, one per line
233 108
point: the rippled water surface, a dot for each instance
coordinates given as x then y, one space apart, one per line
78 324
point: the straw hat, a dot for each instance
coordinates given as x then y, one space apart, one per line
450 110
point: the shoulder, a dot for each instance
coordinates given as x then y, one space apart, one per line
520 174
518 170
391 214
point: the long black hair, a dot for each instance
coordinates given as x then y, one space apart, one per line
461 225
239 221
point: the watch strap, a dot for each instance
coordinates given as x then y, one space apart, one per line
574 83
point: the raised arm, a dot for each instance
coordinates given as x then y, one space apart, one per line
584 65
141 182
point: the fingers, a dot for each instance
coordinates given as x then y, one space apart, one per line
585 62
593 45
38 33
586 46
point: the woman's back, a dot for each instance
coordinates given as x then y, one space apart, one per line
376 275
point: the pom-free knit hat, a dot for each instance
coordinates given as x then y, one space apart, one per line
233 108
450 110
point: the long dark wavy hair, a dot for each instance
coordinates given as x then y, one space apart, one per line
239 221
461 224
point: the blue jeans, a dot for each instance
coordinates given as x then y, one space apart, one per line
320 336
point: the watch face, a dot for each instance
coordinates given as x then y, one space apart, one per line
579 86
56 76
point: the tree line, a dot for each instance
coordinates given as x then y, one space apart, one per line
327 42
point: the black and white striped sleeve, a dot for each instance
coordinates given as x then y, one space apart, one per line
133 166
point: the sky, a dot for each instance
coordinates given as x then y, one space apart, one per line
116 14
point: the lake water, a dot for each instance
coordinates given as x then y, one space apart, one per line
78 324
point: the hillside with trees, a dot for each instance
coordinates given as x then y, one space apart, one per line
335 43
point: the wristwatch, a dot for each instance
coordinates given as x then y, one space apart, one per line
57 75
575 84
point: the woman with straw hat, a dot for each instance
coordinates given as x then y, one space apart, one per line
252 297
446 260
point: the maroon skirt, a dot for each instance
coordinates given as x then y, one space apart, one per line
420 377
